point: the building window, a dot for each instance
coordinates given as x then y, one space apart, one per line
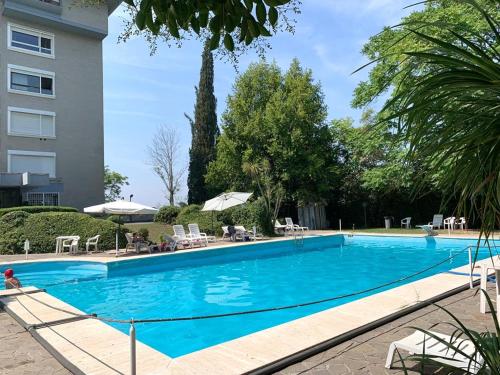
32 161
30 81
24 39
42 199
31 123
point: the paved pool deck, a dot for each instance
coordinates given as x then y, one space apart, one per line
364 354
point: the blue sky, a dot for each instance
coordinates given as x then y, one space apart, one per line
142 92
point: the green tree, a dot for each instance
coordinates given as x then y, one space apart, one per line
279 119
204 130
393 69
113 183
230 25
448 111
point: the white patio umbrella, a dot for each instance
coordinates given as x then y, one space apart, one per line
120 207
225 200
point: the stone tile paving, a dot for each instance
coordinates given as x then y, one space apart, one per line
366 354
21 354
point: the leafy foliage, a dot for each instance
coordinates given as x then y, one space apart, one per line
113 183
37 209
228 24
278 119
41 230
167 214
192 214
204 130
449 113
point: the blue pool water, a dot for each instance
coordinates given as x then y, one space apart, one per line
238 278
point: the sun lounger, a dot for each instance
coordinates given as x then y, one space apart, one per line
294 227
183 239
278 227
420 343
195 234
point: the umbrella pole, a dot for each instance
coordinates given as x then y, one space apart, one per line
213 232
117 247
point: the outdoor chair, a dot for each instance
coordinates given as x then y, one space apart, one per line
292 227
182 238
71 244
195 234
420 343
135 245
92 241
406 222
461 223
449 223
278 227
437 221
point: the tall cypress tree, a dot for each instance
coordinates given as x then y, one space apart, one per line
204 130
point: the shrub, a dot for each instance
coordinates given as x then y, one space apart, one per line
37 209
167 214
249 214
144 233
42 229
193 214
12 232
117 219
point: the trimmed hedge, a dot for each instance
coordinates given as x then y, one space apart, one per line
42 229
37 209
167 214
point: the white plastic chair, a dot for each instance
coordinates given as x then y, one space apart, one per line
437 221
92 241
419 343
449 223
461 223
71 244
406 222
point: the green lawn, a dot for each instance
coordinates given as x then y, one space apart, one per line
155 229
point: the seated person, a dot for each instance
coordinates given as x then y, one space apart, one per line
11 282
168 243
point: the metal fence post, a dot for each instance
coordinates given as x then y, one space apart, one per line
471 266
132 348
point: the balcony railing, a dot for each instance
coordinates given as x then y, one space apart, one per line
53 2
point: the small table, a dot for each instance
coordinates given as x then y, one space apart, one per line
59 242
485 269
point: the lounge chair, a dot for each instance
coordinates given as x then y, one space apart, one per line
419 343
437 221
292 227
195 234
92 241
278 227
135 245
71 244
225 232
406 222
183 239
449 222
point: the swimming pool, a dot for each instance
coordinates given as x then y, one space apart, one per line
238 278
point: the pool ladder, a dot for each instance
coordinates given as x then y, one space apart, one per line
298 239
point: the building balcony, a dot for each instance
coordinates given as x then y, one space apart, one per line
33 7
